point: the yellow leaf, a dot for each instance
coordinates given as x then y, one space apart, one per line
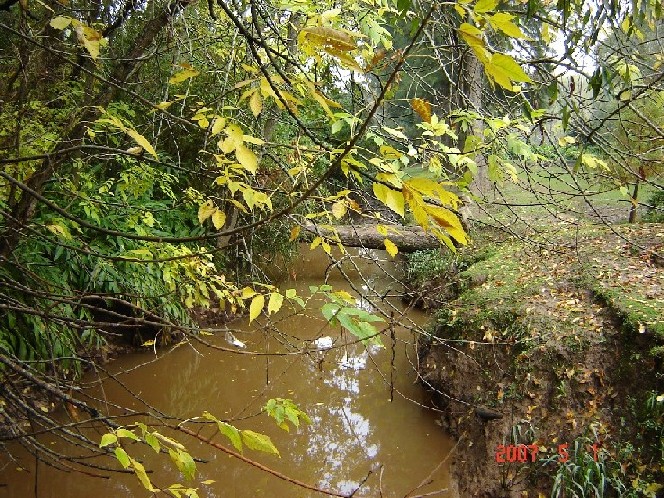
327 38
183 76
248 292
256 307
142 141
256 103
295 231
503 69
339 209
218 125
274 305
447 220
246 158
253 140
163 105
205 211
60 22
474 38
234 138
393 199
503 22
423 108
546 34
90 39
391 247
218 219
485 6
382 229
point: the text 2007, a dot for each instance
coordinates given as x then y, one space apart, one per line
528 453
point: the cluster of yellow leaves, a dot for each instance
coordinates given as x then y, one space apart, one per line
339 43
87 36
113 121
500 68
427 200
207 210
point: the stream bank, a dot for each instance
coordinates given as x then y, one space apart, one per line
549 348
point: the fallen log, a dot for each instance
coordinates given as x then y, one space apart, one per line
408 239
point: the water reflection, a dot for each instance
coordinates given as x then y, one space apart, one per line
356 432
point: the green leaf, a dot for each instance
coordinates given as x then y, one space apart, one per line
122 457
231 433
153 442
186 464
256 306
259 442
108 439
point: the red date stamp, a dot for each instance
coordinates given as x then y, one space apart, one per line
522 453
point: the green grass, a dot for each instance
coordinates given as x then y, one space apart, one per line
543 190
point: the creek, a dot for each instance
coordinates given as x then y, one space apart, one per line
357 435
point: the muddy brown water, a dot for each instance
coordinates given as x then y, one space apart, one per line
357 435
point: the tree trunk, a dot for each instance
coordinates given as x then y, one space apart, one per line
409 239
634 209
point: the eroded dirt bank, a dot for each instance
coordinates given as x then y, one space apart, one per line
551 348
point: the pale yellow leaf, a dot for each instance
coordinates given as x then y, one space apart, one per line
503 22
256 103
205 211
60 22
393 199
485 6
339 209
218 219
256 306
218 125
503 69
142 141
274 305
246 158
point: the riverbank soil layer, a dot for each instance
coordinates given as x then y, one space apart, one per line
558 350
